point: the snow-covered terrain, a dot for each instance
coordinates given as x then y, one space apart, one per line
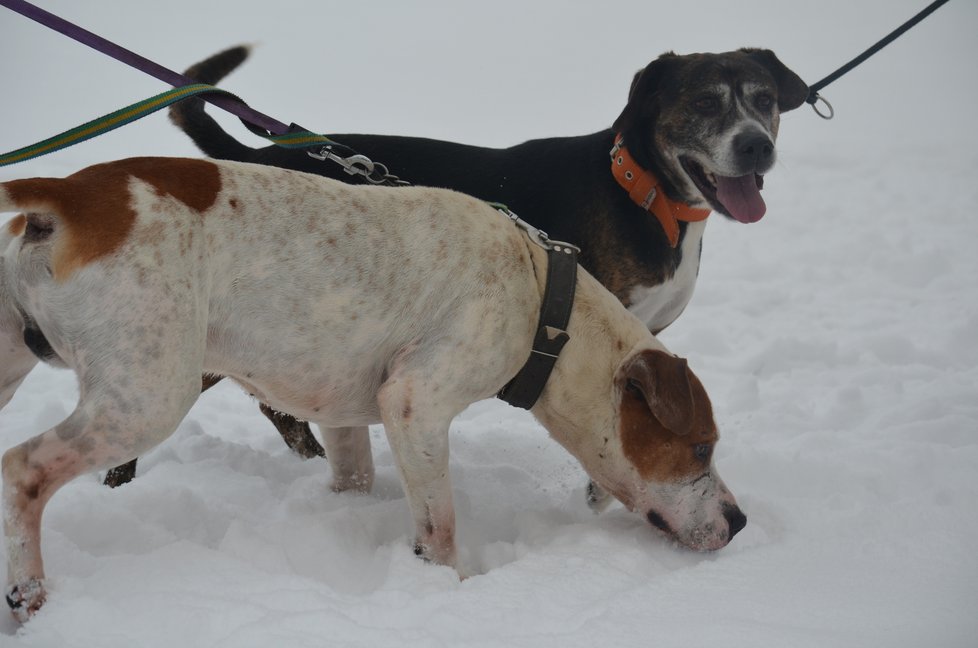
838 338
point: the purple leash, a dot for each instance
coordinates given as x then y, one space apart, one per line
141 63
293 136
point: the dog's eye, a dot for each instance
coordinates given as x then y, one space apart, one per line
633 386
708 105
702 451
764 101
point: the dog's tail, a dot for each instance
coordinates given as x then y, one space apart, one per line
189 115
10 203
37 201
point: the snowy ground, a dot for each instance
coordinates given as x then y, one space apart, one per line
838 338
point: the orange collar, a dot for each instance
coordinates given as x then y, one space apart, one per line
644 190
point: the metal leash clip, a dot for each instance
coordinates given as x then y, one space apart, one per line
357 164
538 236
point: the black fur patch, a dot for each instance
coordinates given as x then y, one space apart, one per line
38 344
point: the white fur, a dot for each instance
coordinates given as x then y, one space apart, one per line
659 306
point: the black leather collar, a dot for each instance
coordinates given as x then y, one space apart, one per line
558 300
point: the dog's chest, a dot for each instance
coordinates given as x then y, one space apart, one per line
659 305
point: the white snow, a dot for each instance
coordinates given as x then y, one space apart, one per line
838 338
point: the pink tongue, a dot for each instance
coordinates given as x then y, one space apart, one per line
741 197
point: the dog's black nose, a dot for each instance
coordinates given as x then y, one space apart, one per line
736 520
755 151
658 522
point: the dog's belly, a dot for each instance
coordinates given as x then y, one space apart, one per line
339 400
320 368
658 306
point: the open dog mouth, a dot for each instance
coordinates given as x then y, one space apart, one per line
738 197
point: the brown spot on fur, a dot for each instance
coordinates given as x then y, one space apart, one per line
648 389
195 183
94 204
32 491
17 225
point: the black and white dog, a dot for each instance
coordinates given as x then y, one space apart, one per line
696 135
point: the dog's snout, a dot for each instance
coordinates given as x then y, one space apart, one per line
755 151
736 520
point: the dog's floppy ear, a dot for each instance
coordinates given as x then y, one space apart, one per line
663 381
644 83
792 91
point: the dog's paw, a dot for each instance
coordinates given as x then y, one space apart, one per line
356 483
25 599
597 497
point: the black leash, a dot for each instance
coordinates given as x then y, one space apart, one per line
813 96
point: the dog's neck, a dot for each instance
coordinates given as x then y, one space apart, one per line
556 304
602 335
645 190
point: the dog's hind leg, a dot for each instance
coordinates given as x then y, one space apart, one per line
125 473
122 474
295 433
114 420
350 458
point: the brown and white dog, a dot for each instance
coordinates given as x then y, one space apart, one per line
342 305
698 128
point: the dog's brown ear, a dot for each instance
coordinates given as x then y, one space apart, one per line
644 84
663 381
792 91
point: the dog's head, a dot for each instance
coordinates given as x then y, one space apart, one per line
705 124
667 435
651 446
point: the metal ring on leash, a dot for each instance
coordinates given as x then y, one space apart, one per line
830 114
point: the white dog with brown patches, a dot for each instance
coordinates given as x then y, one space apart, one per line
342 305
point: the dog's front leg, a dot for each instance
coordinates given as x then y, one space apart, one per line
418 435
597 497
